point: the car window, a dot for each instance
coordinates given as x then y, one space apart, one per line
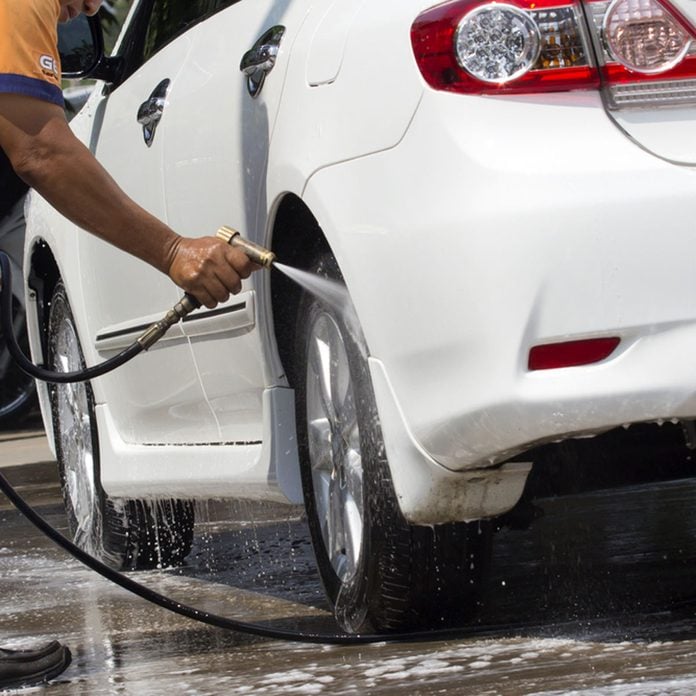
170 18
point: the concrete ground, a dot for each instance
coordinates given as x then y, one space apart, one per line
596 597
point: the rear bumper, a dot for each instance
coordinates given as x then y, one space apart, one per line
499 224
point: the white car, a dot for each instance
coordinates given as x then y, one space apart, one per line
508 192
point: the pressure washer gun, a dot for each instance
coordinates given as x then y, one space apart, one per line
186 305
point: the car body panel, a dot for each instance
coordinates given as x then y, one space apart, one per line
217 470
328 44
468 229
587 271
669 133
342 127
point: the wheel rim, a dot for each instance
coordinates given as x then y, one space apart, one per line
76 447
334 447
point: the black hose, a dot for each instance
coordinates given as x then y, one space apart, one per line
215 619
34 370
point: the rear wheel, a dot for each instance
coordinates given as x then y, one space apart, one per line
379 571
124 534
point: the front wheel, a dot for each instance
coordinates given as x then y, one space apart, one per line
124 534
379 571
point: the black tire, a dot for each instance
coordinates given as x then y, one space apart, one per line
124 534
17 390
403 576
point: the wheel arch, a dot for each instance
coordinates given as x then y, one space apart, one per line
42 276
297 239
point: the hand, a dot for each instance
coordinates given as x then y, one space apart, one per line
209 269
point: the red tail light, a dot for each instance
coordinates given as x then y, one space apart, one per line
480 47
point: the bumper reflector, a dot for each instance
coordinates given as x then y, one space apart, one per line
549 356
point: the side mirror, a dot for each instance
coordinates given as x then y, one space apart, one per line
81 48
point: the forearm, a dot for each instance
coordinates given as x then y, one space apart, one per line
64 172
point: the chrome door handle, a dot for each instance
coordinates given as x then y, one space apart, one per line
260 59
150 111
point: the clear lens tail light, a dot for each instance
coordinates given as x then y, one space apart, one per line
642 36
644 51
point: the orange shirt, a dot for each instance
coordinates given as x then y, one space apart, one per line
29 59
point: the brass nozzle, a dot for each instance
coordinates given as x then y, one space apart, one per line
258 254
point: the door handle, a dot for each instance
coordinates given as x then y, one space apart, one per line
259 60
151 110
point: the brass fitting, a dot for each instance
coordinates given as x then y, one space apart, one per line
155 331
258 254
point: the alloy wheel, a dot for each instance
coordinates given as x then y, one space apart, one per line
334 447
76 442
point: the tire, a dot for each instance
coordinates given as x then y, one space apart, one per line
379 572
17 390
124 534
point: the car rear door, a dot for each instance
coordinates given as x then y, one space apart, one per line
215 161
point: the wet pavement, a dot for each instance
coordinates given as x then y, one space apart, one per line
598 596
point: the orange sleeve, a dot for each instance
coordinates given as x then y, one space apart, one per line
29 60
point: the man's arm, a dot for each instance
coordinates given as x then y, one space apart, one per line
48 157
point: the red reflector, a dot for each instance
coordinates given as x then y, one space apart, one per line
571 353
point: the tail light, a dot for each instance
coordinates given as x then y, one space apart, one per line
492 48
646 51
476 47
